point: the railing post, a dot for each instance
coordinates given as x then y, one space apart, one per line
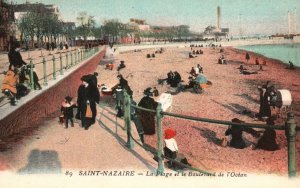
67 60
290 133
160 168
75 57
78 56
31 75
54 68
81 54
127 119
45 72
71 58
61 65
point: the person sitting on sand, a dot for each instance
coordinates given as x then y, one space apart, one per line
191 83
109 66
221 60
200 68
244 71
268 140
121 66
236 132
176 80
170 77
193 72
190 55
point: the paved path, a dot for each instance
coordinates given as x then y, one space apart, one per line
102 147
56 149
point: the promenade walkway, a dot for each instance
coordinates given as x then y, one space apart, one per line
52 149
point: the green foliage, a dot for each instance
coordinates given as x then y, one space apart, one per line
38 25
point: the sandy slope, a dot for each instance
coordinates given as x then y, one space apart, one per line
230 94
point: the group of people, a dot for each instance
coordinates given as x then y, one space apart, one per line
266 142
173 78
197 52
222 60
18 77
195 71
87 97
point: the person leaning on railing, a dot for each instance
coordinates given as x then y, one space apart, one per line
14 57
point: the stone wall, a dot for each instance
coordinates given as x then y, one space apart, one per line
49 102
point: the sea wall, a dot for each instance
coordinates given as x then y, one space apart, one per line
48 102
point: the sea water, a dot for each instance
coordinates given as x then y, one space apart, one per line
282 52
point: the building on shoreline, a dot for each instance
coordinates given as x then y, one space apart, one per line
7 26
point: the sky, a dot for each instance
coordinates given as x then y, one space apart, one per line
242 17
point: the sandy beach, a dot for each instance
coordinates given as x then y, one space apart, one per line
230 94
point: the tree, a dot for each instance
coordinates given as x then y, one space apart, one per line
38 25
183 31
86 25
27 27
113 28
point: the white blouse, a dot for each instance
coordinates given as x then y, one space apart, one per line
171 144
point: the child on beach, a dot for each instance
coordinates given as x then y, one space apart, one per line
67 111
171 150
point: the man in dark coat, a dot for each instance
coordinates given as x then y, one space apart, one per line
88 96
124 85
148 118
265 93
15 57
247 57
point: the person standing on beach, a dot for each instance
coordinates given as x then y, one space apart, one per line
247 57
256 61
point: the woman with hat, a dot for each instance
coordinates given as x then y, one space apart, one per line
148 118
88 96
236 132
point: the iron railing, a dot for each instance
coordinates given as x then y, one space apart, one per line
289 127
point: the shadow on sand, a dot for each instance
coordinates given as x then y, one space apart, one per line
121 141
42 162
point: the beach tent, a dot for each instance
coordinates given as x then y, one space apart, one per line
201 79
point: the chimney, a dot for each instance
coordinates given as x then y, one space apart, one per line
219 17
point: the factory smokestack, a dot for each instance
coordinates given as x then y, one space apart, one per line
219 17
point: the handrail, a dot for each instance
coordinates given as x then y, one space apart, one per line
289 127
280 127
56 61
154 152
